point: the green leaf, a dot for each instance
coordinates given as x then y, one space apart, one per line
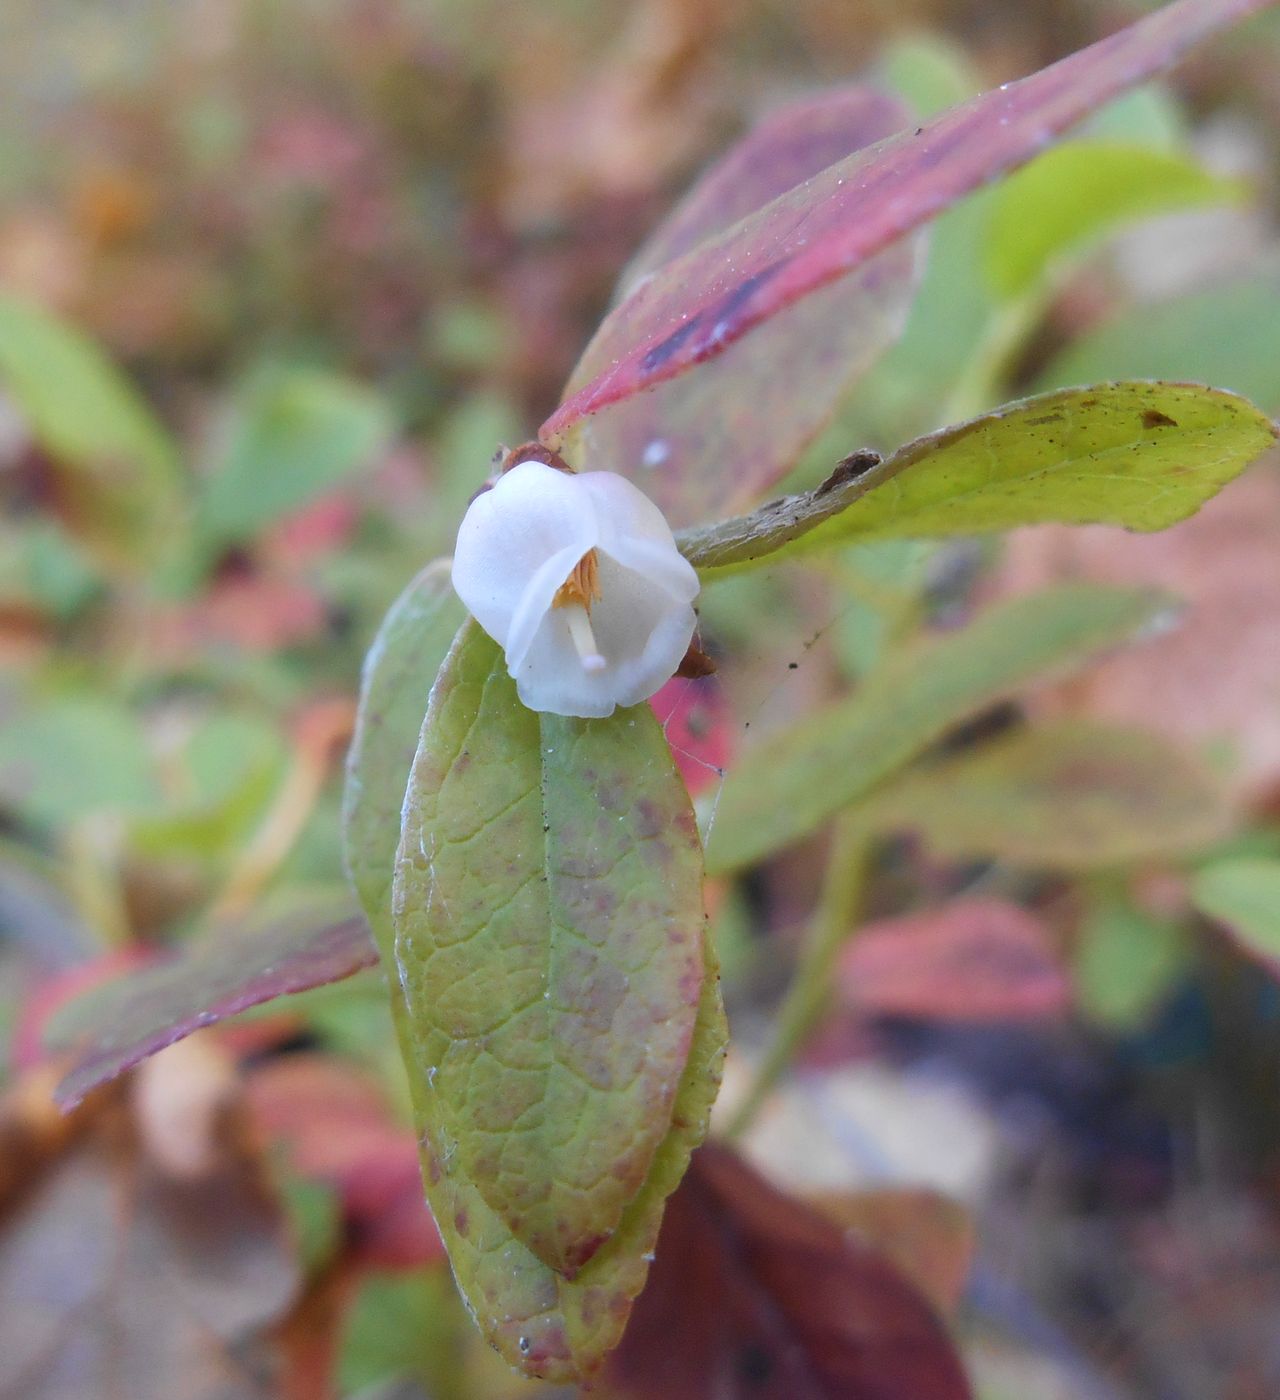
548 935
67 756
87 416
405 1325
226 773
541 1322
1227 334
295 434
399 672
794 782
1126 963
1139 454
1068 796
1075 193
1244 896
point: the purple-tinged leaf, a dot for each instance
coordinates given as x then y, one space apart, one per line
115 1026
548 934
715 442
700 305
791 144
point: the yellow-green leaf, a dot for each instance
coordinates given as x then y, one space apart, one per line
399 672
794 782
549 941
1081 190
1067 796
1244 896
123 467
1142 454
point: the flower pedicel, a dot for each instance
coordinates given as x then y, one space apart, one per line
578 579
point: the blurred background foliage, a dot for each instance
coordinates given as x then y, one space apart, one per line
276 279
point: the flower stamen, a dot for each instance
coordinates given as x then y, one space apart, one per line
582 587
575 596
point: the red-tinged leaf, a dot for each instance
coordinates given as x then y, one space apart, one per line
1217 674
715 442
125 1021
755 1295
698 306
971 960
317 530
787 147
695 717
26 1048
334 1127
254 612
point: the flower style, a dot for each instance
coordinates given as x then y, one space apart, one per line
578 579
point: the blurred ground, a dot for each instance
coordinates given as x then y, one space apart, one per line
365 241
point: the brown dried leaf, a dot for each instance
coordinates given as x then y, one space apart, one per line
755 1295
929 1236
122 1281
1217 676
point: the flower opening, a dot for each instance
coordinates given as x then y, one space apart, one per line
578 579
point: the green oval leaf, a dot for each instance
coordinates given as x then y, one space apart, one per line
1067 796
399 671
1226 334
794 782
295 433
1244 896
1140 454
541 1322
548 936
1077 192
87 416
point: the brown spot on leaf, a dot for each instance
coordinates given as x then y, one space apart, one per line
848 469
1153 418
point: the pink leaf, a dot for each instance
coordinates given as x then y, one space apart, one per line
335 1127
790 145
971 960
696 719
121 1023
707 300
714 442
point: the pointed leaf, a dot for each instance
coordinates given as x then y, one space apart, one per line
1228 334
548 917
1080 191
87 416
541 1322
796 780
117 1025
789 145
399 671
1139 454
698 306
1068 796
756 1294
295 433
715 441
1243 896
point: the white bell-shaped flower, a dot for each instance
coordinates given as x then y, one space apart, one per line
578 579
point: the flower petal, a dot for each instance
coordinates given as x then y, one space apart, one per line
640 631
531 515
635 533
